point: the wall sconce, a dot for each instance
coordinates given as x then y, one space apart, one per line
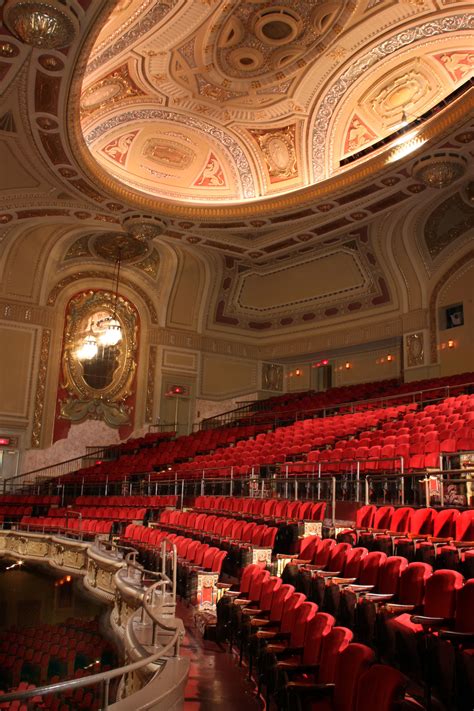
389 358
348 365
450 343
298 372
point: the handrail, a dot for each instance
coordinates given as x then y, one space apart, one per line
104 678
64 463
336 406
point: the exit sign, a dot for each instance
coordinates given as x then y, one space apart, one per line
5 441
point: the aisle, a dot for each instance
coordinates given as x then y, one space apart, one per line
216 682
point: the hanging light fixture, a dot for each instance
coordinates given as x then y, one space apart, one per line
89 348
112 333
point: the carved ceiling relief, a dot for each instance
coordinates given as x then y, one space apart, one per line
458 64
355 282
142 255
450 220
278 148
112 89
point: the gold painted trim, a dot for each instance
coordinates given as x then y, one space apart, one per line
433 131
41 389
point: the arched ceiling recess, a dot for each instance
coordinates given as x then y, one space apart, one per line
218 103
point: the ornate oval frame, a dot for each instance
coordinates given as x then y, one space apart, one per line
85 401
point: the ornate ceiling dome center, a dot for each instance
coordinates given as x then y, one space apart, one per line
214 103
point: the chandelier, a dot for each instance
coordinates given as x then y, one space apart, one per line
108 331
439 170
46 24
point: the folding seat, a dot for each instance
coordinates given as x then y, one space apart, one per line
364 519
300 679
453 555
420 527
285 645
411 594
257 610
451 654
438 607
381 688
351 663
381 523
258 579
399 524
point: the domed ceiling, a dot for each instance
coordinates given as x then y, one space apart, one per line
226 101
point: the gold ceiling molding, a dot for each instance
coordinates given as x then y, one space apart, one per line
433 131
90 276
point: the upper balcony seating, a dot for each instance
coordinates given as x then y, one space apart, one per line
369 439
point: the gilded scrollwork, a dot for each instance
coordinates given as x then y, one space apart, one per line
41 388
99 388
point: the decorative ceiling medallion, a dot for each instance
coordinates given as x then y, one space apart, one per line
46 24
439 170
114 87
144 230
169 153
109 244
279 150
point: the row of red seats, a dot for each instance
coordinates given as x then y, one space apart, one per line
149 502
30 500
46 524
266 508
161 455
35 655
293 644
307 401
273 447
102 512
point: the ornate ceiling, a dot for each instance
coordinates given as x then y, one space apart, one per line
247 157
218 102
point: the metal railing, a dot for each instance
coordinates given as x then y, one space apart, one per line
157 658
35 477
252 413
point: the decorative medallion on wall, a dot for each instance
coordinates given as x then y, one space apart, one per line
272 377
99 387
415 349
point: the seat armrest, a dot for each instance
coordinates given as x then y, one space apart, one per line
329 573
259 622
362 588
426 621
344 581
454 636
290 651
397 609
379 597
304 669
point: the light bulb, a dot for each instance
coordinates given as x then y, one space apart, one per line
112 334
89 348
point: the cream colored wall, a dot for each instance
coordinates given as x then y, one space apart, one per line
223 378
458 289
187 294
364 366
